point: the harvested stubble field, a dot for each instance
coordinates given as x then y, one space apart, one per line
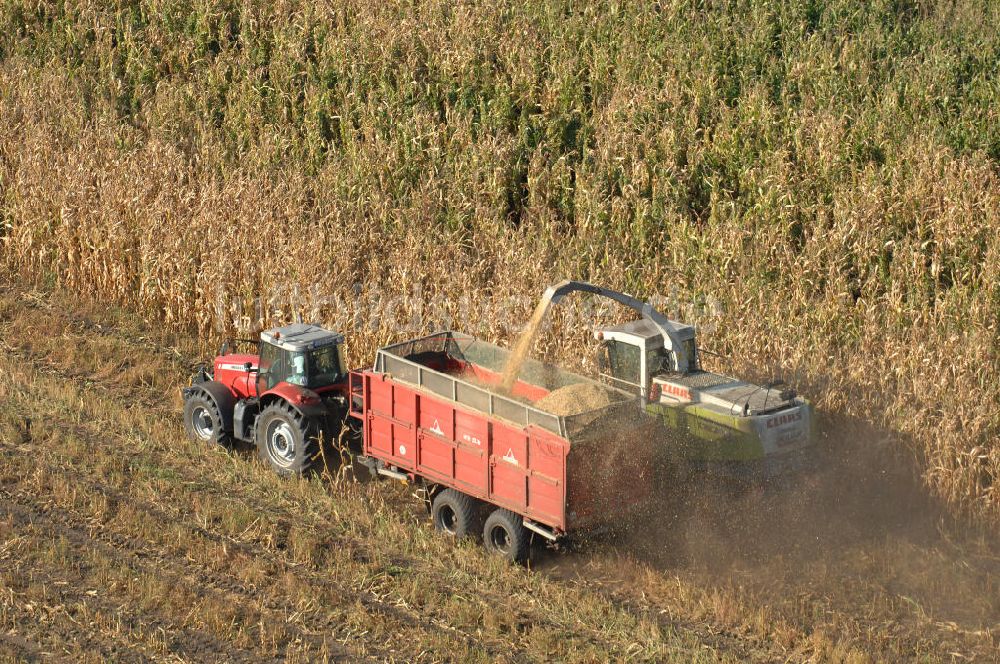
122 541
824 173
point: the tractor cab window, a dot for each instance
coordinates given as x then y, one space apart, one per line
622 363
274 364
313 369
297 374
326 365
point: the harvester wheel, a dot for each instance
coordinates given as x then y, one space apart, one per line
285 441
456 514
203 421
504 534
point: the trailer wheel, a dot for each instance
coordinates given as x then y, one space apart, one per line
455 514
504 534
203 422
285 441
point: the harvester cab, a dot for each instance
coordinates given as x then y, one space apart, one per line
633 354
725 425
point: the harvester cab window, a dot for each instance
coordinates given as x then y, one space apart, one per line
658 362
694 363
624 362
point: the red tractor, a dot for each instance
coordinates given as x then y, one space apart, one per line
289 398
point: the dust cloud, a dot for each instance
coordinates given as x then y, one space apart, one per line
857 526
855 536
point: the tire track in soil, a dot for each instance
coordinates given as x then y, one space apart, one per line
190 642
724 641
368 599
18 649
217 580
731 643
66 629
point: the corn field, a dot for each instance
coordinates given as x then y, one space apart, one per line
826 172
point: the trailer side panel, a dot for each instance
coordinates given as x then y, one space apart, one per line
520 468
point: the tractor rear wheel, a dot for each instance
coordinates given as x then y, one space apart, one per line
203 422
505 535
285 441
456 514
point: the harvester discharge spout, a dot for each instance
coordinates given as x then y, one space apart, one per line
671 339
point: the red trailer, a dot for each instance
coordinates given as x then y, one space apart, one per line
495 463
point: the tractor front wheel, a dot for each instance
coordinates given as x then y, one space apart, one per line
286 441
203 421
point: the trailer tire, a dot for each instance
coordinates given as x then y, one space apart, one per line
505 535
285 441
203 421
456 514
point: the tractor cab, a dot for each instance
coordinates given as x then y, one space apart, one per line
289 398
632 354
303 355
